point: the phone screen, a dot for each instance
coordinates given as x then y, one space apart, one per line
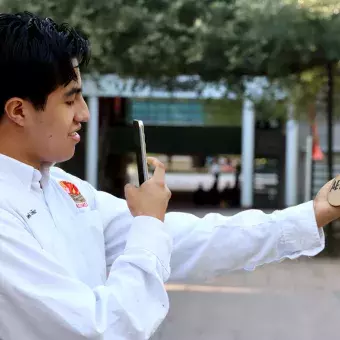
140 148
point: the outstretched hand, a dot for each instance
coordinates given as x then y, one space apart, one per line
324 212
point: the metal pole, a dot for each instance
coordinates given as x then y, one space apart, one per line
308 168
330 92
91 172
330 119
292 158
248 146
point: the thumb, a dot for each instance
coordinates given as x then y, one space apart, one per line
129 190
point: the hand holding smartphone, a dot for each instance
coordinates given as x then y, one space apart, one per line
151 198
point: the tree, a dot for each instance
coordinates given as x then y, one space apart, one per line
157 40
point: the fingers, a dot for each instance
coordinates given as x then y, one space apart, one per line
168 193
159 173
128 190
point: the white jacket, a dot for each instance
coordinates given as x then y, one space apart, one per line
74 263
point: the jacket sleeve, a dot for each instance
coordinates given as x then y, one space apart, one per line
204 248
39 299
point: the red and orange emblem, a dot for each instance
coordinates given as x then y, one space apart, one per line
75 194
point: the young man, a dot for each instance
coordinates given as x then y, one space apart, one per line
77 263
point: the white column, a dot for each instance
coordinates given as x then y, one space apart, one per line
292 158
91 171
308 168
248 147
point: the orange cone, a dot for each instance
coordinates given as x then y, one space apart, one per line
317 154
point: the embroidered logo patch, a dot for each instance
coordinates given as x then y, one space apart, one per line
75 194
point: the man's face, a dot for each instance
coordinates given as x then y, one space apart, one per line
51 133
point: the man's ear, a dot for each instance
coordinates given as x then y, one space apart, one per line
14 110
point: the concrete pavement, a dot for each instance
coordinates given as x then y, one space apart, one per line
292 300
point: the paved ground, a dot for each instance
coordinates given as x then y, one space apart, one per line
293 300
297 300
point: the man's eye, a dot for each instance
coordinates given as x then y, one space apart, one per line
70 103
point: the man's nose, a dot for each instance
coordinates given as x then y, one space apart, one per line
83 114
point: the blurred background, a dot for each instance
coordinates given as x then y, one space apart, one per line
240 99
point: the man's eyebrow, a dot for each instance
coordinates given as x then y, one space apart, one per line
74 90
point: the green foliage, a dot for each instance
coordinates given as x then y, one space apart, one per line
222 112
219 41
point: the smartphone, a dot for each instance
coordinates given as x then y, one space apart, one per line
140 149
